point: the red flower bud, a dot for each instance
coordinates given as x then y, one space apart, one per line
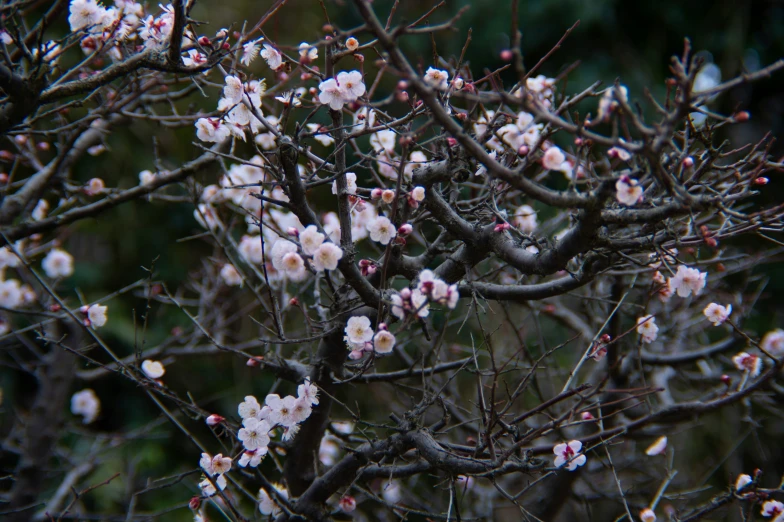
214 420
523 150
586 416
761 181
405 229
293 301
742 116
203 40
451 141
55 308
376 193
548 308
194 503
507 55
292 232
252 362
688 162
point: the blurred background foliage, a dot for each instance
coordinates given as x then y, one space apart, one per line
632 41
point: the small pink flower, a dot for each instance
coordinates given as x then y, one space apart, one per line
569 454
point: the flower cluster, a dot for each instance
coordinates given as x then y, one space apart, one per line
361 338
259 425
345 88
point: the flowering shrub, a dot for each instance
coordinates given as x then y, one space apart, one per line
455 279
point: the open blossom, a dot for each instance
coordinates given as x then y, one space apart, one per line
327 256
207 487
84 14
383 140
358 329
230 275
308 392
351 85
250 250
525 219
627 191
687 280
97 315
232 91
249 408
381 230
280 249
383 341
569 452
250 51
658 447
11 295
254 434
58 263
409 301
716 313
647 515
773 342
153 369
86 404
267 504
286 411
646 327
321 135
217 465
194 59
308 53
418 194
351 184
331 94
252 458
436 78
310 239
747 362
272 56
742 481
211 130
553 159
772 508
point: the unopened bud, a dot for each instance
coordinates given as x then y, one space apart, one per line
523 150
688 162
586 416
194 503
7 155
720 267
761 181
742 116
214 420
711 242
292 231
548 308
20 139
605 338
405 293
3 177
401 96
382 326
376 193
506 55
405 229
578 142
451 141
55 308
671 82
470 441
348 504
305 76
226 46
613 153
293 301
252 362
458 83
405 141
462 116
501 227
726 379
402 85
204 41
84 309
359 58
327 28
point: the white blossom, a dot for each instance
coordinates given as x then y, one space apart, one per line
310 239
230 275
773 342
383 341
553 158
86 404
249 408
358 329
307 52
742 481
381 230
646 327
211 130
97 315
267 504
207 487
569 452
58 263
331 94
658 447
250 250
351 184
351 85
272 56
11 295
688 280
250 51
254 433
747 362
153 369
283 411
252 458
436 78
308 391
627 191
717 313
418 194
327 256
525 219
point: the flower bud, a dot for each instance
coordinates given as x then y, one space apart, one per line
761 181
462 116
402 85
501 227
688 162
194 503
523 150
405 229
348 504
405 293
226 46
352 44
451 141
214 420
742 116
586 416
506 55
292 231
203 40
293 301
355 355
376 193
548 308
458 83
3 177
726 379
359 58
382 326
401 96
55 308
252 362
